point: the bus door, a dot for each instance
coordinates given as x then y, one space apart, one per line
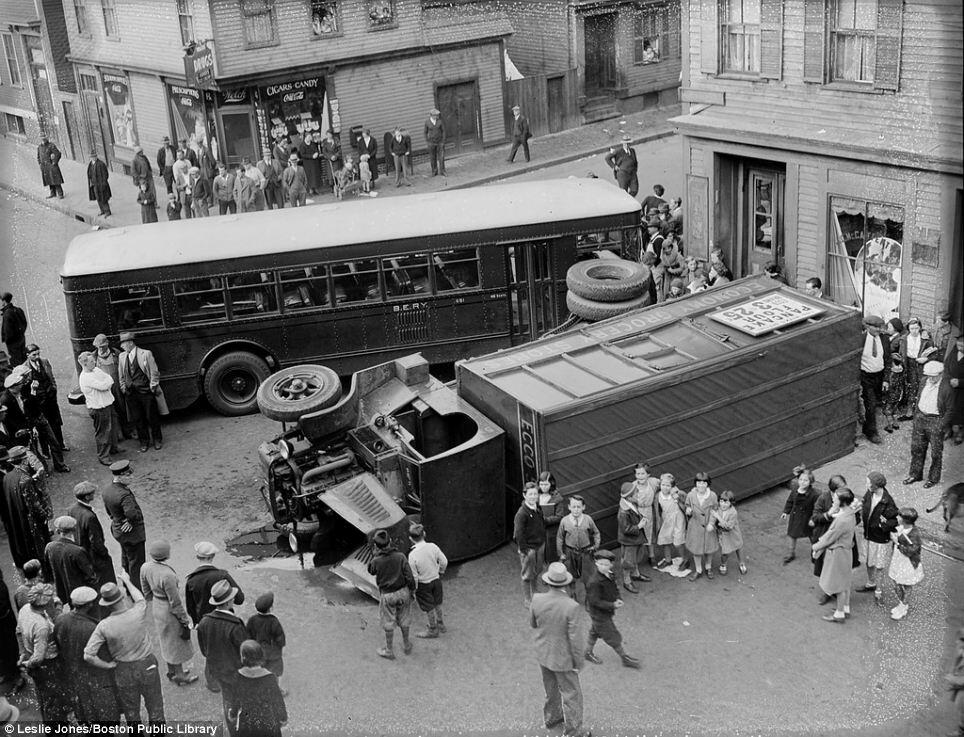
533 291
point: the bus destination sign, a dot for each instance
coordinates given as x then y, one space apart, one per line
765 314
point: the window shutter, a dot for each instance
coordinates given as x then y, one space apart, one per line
890 15
671 31
709 37
814 43
771 39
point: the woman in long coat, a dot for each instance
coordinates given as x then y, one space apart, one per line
160 586
259 703
48 157
836 545
700 541
311 158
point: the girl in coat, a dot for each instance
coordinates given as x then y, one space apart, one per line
646 488
915 351
836 545
798 510
672 524
894 396
553 508
701 502
160 586
727 525
630 536
258 701
906 568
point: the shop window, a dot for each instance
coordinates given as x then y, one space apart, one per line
456 270
647 29
110 18
13 68
185 18
259 23
381 14
324 17
200 300
252 294
853 47
356 281
741 36
864 255
119 108
88 82
406 276
80 13
304 288
136 307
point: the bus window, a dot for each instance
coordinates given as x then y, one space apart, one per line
356 281
456 269
199 300
252 294
136 307
406 276
305 287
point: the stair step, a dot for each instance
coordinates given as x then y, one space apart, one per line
594 115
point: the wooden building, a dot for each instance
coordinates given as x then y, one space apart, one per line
825 136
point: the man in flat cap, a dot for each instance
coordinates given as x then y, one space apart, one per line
68 561
624 164
930 408
435 140
520 134
140 382
126 519
874 364
89 533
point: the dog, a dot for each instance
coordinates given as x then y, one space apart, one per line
952 499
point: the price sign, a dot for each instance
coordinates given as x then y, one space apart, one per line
765 314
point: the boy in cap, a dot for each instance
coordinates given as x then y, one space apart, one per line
33 575
631 536
69 562
874 363
265 628
395 582
602 600
931 405
428 564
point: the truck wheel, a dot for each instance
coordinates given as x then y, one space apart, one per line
607 281
299 390
593 311
231 383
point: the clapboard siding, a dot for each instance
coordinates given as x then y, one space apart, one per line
406 92
811 209
639 78
697 164
539 40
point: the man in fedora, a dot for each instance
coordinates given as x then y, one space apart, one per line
126 519
89 533
874 365
92 690
520 134
930 408
219 637
69 562
625 166
602 600
435 140
126 633
560 650
166 156
140 382
395 581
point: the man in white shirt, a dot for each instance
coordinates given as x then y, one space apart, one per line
96 385
874 363
928 426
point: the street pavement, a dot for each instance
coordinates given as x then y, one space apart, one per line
736 655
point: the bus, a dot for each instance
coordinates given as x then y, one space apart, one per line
225 301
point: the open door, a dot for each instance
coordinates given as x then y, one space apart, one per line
533 292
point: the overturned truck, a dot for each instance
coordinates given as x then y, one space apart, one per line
743 382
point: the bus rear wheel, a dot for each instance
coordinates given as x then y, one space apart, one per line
231 383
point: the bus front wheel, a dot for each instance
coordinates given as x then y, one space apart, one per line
231 383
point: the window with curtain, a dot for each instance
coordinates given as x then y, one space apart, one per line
324 17
110 18
864 255
80 13
185 18
381 13
853 44
647 33
258 23
740 34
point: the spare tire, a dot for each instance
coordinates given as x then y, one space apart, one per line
296 391
593 311
610 280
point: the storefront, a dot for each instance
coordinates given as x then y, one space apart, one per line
192 118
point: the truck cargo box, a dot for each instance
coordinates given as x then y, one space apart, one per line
743 381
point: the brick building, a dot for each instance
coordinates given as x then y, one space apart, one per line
283 66
826 136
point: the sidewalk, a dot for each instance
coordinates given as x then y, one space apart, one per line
22 175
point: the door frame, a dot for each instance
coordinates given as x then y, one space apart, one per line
474 81
537 295
603 87
249 109
749 257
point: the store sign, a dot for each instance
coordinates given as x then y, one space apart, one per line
296 107
766 314
233 97
199 68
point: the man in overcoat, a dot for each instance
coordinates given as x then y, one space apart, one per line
126 520
140 381
48 157
200 581
219 637
42 386
89 533
98 186
625 166
69 562
13 329
24 509
143 176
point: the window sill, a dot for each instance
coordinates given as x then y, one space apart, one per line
742 76
324 36
383 27
261 45
115 39
866 88
647 63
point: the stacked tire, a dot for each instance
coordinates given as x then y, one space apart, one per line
599 289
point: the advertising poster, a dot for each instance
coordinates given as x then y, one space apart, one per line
119 108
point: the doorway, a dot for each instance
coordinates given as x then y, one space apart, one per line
95 118
533 292
76 152
238 137
459 105
600 32
556 102
46 114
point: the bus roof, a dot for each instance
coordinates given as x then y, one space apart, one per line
364 221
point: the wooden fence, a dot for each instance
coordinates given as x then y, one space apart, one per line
547 100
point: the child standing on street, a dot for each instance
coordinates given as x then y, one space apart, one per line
602 600
672 529
629 534
173 207
393 576
553 508
365 173
798 510
428 563
906 569
701 502
894 396
728 527
578 538
265 628
646 488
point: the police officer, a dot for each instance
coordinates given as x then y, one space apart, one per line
126 519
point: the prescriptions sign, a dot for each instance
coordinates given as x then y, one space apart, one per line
766 314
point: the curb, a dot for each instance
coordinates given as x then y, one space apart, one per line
64 209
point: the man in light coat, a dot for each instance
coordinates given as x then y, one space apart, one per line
140 384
